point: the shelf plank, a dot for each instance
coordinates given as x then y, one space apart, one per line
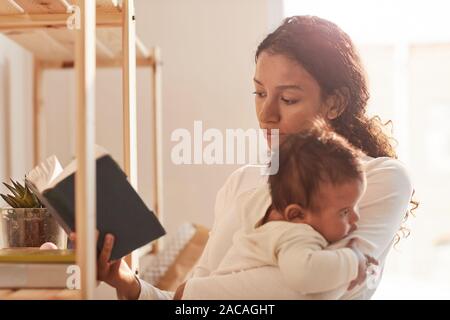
41 29
8 7
41 44
60 44
65 38
4 293
103 6
111 40
41 294
108 6
30 7
42 6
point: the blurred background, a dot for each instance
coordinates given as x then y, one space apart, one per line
208 51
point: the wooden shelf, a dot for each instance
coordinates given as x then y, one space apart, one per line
40 294
40 27
14 7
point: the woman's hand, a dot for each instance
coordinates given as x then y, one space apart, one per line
179 293
115 273
364 261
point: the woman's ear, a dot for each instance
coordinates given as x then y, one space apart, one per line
337 102
294 211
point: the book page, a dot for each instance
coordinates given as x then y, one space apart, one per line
50 172
42 175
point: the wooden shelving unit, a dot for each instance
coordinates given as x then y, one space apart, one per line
101 35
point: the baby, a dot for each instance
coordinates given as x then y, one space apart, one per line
310 203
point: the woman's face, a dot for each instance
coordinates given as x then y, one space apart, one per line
286 95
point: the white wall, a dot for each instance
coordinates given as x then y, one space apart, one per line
15 110
208 51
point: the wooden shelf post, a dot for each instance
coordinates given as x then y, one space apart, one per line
157 145
85 186
129 100
37 108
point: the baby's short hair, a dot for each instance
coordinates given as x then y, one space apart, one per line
307 159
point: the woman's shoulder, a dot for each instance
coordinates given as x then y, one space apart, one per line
245 178
387 175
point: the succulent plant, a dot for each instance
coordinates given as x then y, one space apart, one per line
21 197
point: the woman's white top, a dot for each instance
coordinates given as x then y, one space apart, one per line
296 248
382 209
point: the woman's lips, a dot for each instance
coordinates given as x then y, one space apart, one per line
272 135
272 132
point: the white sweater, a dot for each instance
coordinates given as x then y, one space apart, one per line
382 209
296 248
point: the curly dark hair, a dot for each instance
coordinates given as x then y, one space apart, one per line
330 56
309 158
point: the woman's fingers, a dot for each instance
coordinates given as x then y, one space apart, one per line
104 266
371 260
352 285
115 266
362 273
73 238
105 254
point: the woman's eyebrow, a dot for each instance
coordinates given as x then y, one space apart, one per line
285 86
290 86
257 81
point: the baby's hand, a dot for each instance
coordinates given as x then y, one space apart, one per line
364 261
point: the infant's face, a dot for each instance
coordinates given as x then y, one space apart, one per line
339 212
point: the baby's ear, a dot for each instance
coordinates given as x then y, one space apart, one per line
294 212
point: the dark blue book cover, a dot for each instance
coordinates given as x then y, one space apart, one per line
120 210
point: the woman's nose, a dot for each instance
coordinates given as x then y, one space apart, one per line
269 112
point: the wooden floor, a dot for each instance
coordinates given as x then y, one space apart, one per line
39 294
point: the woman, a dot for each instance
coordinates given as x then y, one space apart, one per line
306 68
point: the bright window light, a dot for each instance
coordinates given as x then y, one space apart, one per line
381 21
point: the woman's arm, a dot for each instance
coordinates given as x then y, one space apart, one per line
118 275
149 292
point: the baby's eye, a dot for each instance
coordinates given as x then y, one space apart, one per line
345 212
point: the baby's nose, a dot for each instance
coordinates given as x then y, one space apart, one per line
355 216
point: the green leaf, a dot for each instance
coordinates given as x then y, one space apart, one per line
13 190
37 201
22 196
18 186
27 199
13 202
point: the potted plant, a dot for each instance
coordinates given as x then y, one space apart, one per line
28 223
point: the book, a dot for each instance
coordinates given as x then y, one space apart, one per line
120 210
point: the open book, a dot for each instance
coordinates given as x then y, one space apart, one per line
120 210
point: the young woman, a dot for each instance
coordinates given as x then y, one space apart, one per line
308 67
